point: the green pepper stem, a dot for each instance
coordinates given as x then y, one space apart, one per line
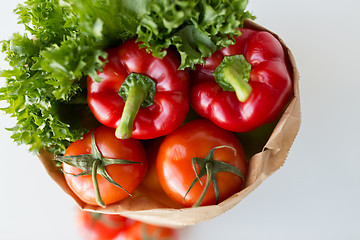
208 167
133 103
236 79
95 182
233 74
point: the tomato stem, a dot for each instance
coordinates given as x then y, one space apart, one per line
93 164
95 217
211 167
95 182
208 167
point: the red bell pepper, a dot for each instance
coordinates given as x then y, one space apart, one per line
141 96
245 85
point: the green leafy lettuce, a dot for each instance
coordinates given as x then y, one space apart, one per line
65 41
197 28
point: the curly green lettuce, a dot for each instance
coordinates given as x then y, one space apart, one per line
197 28
66 41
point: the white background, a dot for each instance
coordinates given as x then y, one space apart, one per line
315 195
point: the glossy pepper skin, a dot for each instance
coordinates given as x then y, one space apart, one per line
268 84
169 105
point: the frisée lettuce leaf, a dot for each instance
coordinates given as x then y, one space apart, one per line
66 41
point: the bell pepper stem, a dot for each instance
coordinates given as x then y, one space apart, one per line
233 74
137 91
132 105
241 87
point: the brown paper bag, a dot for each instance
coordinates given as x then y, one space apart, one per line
153 206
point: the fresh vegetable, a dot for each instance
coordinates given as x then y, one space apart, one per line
101 169
151 186
245 85
97 226
201 164
195 27
66 40
143 231
141 96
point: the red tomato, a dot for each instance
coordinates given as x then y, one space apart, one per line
128 176
97 226
142 231
195 140
151 185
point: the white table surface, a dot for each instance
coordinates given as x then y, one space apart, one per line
315 195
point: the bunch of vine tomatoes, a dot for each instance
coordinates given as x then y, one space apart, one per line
98 226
